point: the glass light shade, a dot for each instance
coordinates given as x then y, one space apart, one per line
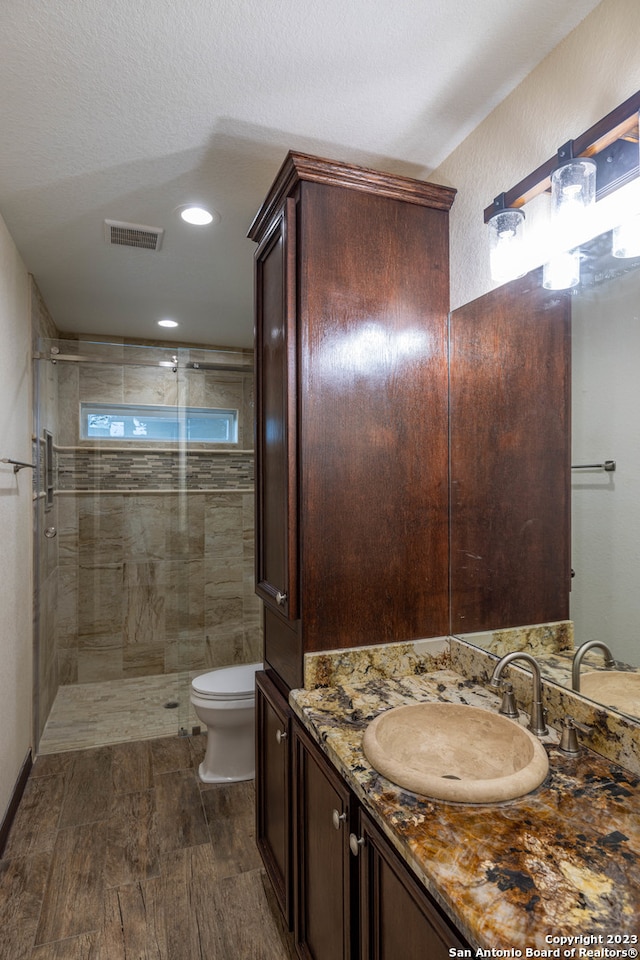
506 234
626 238
573 192
562 272
197 216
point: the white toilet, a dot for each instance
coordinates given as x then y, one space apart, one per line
224 700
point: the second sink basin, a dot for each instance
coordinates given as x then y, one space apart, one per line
457 752
613 688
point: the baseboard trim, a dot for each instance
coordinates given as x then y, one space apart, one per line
14 802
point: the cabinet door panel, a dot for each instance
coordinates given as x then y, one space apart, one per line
397 917
510 458
323 889
273 789
276 477
373 406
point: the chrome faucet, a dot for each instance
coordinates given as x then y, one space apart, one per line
537 723
579 654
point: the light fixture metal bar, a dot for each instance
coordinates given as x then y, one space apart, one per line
621 122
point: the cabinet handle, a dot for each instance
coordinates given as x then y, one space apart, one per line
338 819
281 735
355 844
281 599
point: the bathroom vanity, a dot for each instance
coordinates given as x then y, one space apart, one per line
350 894
564 860
413 478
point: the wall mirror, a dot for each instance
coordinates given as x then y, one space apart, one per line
604 316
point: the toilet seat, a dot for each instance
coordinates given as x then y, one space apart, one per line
227 683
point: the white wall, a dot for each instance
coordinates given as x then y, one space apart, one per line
15 518
605 342
593 70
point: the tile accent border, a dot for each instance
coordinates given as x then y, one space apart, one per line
81 470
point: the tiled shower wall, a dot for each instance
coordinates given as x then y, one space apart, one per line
155 583
155 547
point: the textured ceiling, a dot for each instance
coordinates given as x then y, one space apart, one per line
127 111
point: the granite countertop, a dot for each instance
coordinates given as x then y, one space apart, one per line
564 861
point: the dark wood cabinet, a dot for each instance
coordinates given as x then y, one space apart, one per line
273 789
352 410
276 533
510 387
354 897
322 876
397 916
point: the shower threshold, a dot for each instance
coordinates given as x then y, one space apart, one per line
116 711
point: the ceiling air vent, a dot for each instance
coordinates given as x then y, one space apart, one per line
133 235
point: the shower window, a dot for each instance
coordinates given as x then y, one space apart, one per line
143 422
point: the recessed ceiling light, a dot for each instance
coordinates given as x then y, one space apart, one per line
167 323
197 216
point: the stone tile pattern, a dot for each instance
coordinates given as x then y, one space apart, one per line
119 711
150 470
153 584
120 852
141 583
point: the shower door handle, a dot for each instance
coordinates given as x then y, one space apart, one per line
50 533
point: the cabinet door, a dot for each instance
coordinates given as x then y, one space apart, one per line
322 862
276 479
510 390
273 789
397 916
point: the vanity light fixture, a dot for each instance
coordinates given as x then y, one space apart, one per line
573 194
573 187
506 233
584 171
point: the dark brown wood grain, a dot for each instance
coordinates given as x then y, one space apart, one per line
510 458
365 357
373 409
273 790
104 890
397 915
322 866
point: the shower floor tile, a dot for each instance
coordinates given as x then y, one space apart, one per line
116 711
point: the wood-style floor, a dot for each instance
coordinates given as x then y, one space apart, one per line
120 853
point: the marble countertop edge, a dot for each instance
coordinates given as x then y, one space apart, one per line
464 882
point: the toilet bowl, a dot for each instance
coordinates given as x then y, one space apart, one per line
224 700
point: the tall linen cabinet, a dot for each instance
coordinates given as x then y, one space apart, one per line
351 297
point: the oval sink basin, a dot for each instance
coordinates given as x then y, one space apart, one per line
451 751
613 688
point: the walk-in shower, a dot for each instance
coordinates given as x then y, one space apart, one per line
143 530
